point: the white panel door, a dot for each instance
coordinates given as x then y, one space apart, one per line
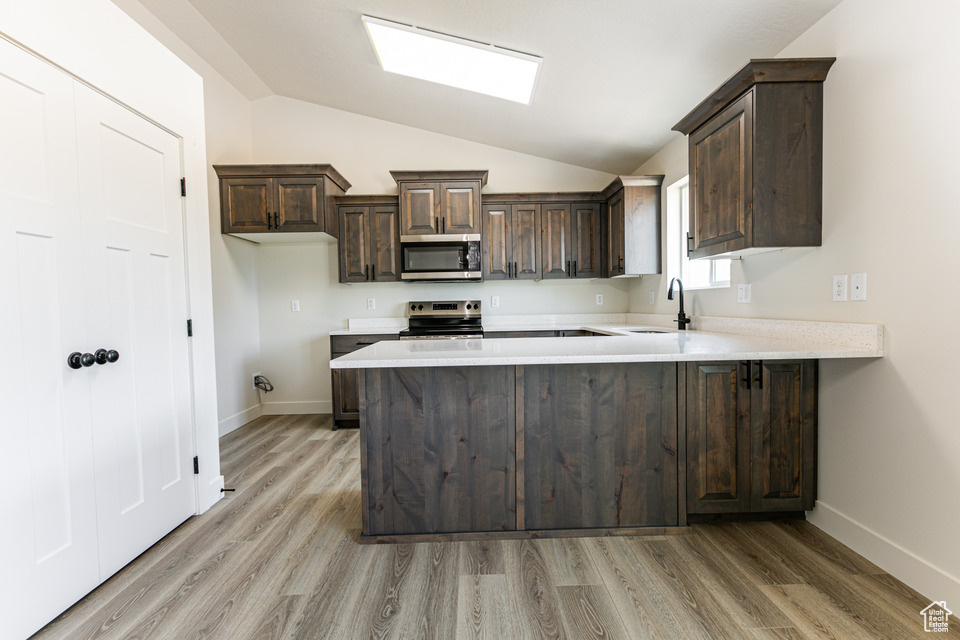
48 540
132 219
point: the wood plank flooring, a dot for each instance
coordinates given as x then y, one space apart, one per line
278 559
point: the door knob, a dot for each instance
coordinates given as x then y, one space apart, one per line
73 360
102 356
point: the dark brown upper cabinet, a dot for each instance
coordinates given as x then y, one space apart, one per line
279 198
632 222
511 241
571 240
751 436
369 239
755 156
437 202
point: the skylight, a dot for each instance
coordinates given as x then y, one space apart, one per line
436 57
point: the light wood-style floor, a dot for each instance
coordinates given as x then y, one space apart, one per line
279 559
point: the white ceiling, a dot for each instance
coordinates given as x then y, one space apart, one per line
617 74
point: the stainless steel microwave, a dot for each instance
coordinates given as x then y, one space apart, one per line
440 257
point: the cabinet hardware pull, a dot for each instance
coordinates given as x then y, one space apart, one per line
568 268
276 221
373 271
514 269
269 221
574 268
747 379
759 378
364 343
620 262
508 269
366 272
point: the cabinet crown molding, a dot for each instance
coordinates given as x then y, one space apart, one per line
425 176
755 72
258 170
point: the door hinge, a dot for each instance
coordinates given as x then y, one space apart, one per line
196 465
189 328
183 187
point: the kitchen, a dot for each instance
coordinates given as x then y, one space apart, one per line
887 442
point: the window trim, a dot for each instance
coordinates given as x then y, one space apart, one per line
677 261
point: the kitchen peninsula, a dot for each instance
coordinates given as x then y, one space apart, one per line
617 432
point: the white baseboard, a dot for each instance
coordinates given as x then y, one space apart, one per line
303 407
237 420
924 576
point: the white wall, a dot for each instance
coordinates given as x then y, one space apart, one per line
234 261
295 346
889 436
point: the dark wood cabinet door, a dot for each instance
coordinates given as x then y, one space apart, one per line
354 244
599 445
419 208
526 241
721 168
299 203
718 437
556 245
438 449
615 236
497 244
460 207
247 205
783 423
586 238
384 241
346 399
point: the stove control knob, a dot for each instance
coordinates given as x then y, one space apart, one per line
476 306
468 307
412 307
420 307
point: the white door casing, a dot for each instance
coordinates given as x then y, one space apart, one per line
132 229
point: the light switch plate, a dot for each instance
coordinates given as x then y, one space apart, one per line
744 293
295 306
858 286
840 288
599 298
494 301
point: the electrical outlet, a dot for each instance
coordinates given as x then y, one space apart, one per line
599 298
494 301
371 303
744 293
255 379
295 306
858 286
840 288
651 297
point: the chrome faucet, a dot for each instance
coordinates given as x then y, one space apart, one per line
682 320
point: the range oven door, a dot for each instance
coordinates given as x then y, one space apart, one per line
440 257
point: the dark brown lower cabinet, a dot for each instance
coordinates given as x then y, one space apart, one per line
599 445
345 382
751 436
438 450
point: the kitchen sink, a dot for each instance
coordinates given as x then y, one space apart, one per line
648 331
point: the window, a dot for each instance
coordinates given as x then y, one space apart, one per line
695 274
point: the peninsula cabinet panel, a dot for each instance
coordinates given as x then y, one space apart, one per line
438 450
718 438
783 425
599 445
756 159
751 436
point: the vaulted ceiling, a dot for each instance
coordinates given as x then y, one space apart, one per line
617 74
